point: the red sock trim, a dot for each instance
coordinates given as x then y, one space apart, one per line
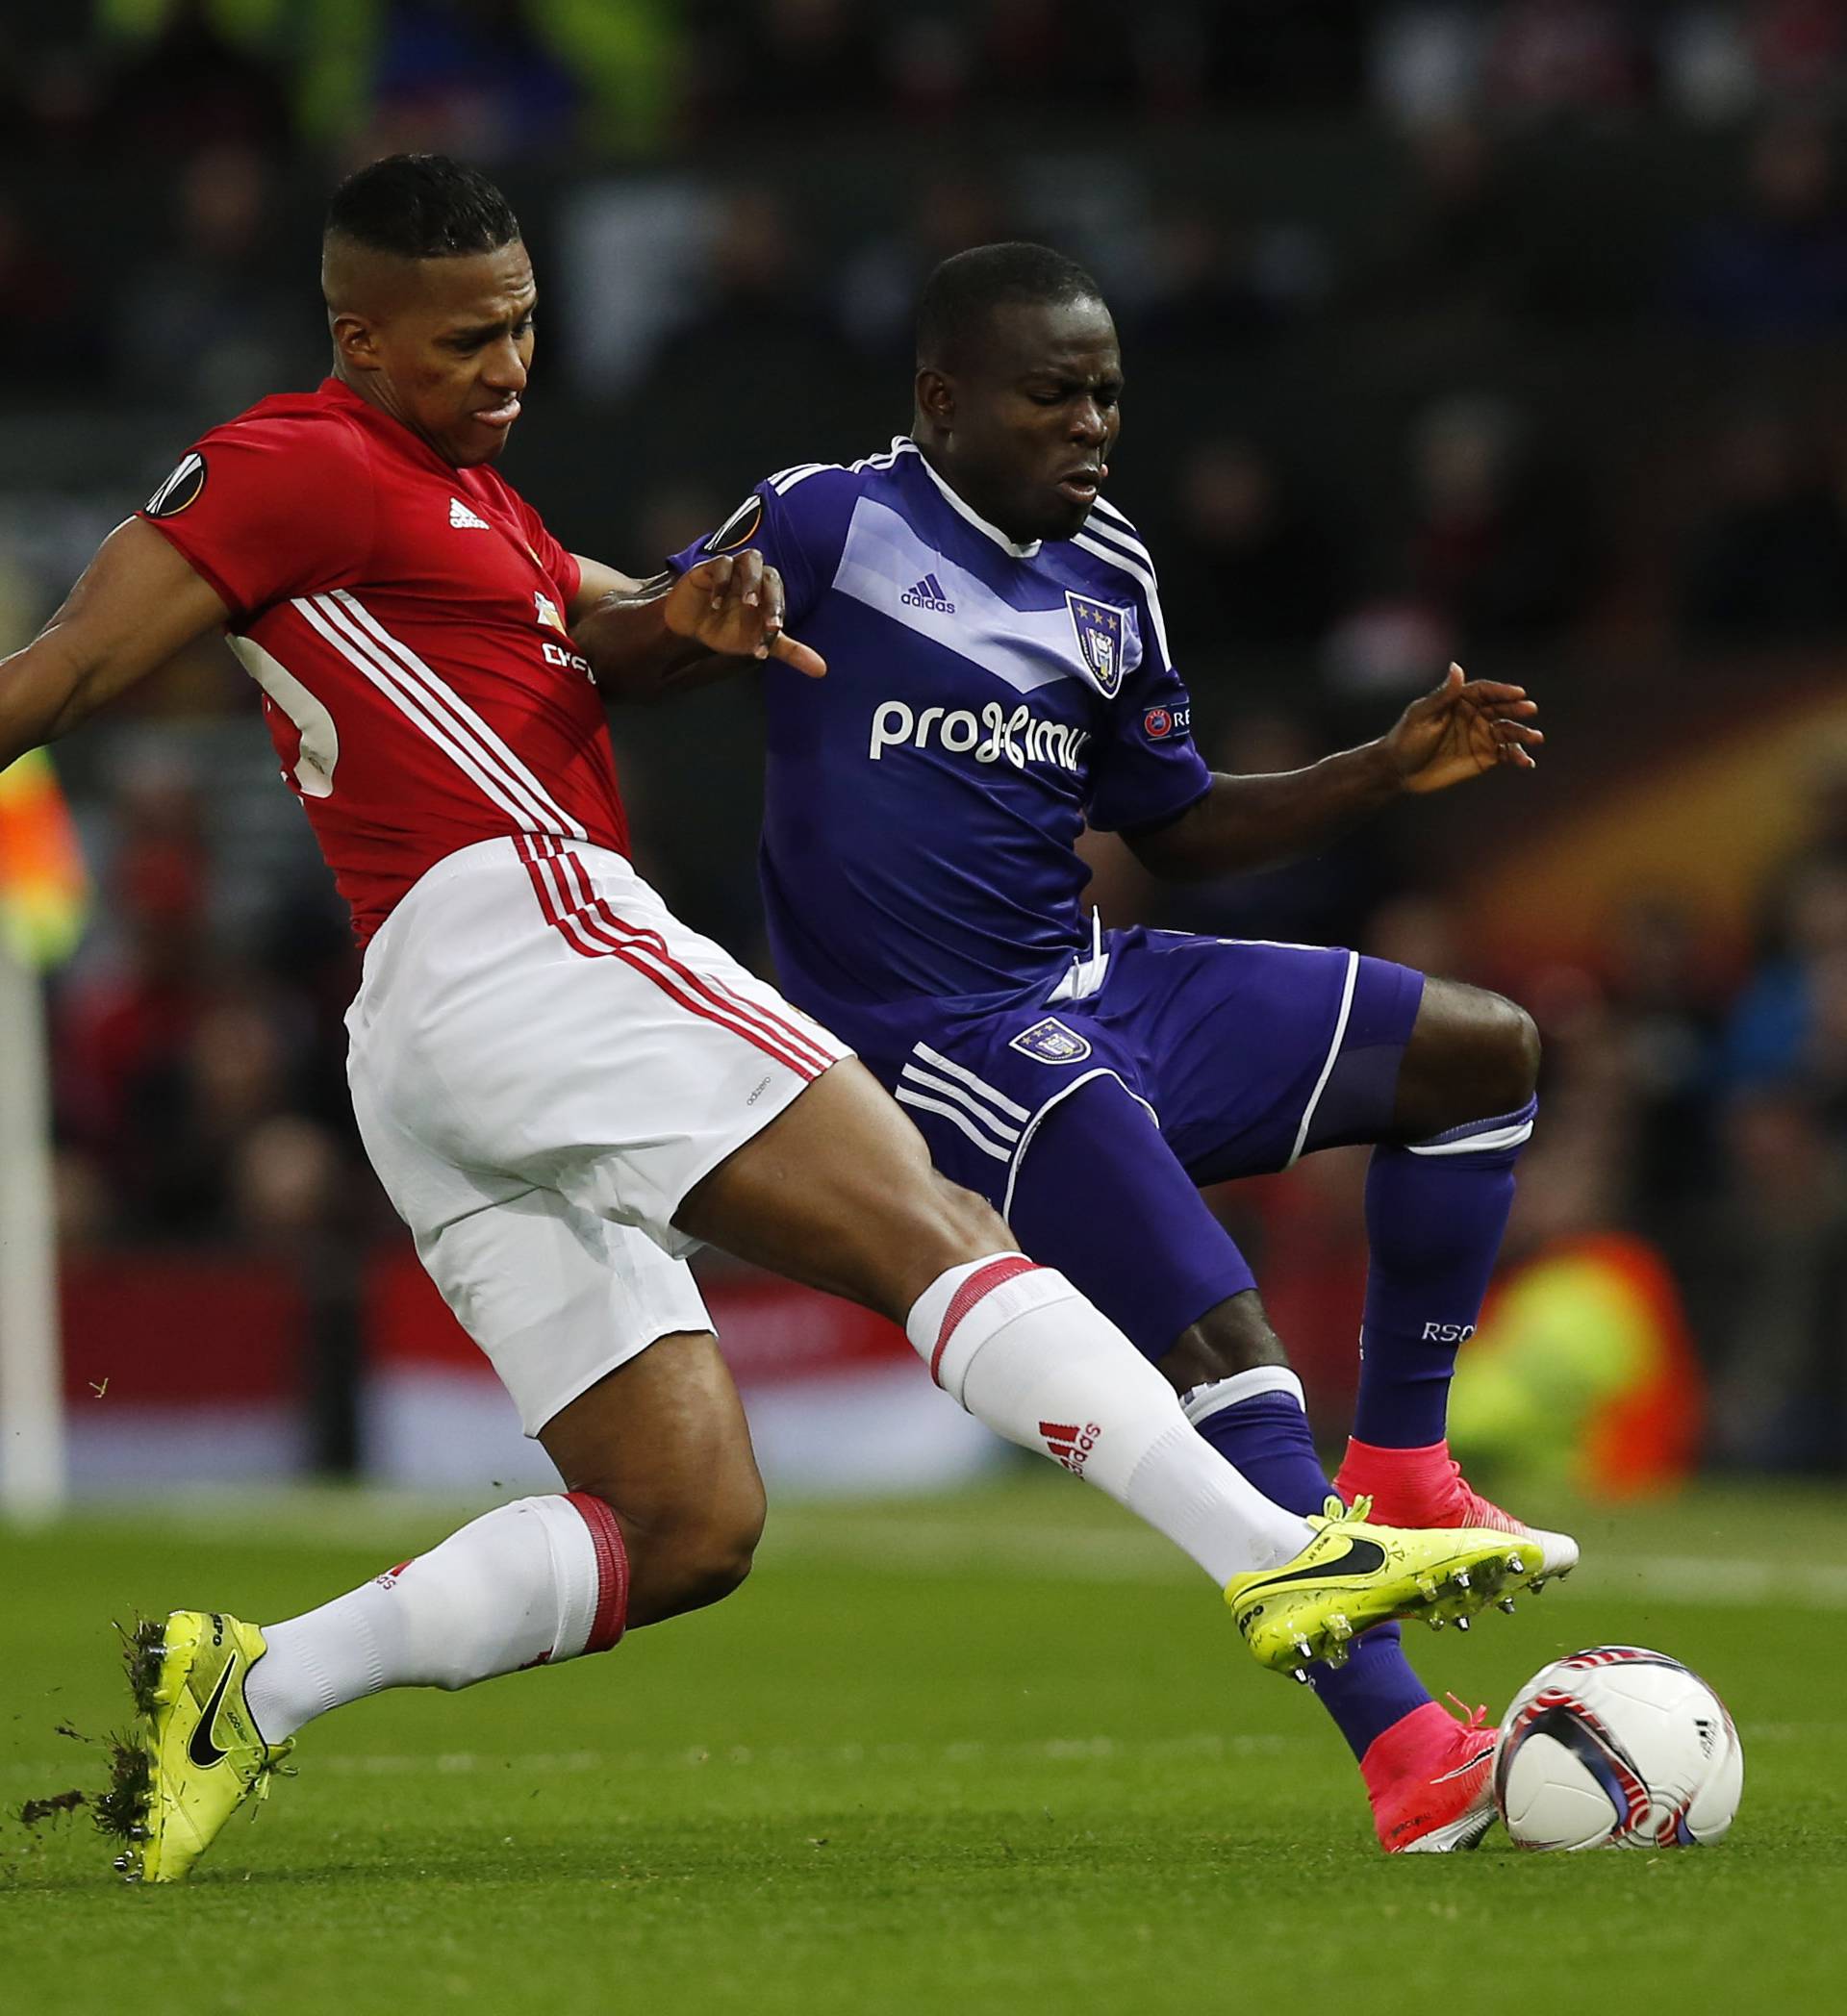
611 1570
971 1292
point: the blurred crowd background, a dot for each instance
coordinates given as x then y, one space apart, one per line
1507 330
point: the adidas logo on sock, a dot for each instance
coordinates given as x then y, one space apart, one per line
462 520
927 593
1068 1444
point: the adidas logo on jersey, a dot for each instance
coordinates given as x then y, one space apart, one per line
462 520
927 593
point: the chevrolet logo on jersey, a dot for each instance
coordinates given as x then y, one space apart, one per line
1099 637
563 655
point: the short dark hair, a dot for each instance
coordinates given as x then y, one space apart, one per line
963 292
422 206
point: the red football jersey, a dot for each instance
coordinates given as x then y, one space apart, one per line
406 622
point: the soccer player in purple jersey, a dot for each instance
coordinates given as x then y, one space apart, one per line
998 677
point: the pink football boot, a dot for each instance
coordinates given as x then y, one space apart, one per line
1425 1487
1431 1780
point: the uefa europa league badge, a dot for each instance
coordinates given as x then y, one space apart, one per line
1099 639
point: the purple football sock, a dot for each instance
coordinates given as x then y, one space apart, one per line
1434 1215
1255 1422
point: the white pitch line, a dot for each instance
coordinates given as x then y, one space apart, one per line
936 1547
1084 1555
1688 1578
929 1543
1205 1746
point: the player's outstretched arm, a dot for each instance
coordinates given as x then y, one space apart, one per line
136 605
1459 730
648 638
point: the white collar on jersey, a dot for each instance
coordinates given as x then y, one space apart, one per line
974 517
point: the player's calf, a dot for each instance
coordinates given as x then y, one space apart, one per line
1233 1338
690 1560
664 1442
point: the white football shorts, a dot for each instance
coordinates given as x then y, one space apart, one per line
543 1062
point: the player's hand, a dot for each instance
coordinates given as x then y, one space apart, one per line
732 604
1461 729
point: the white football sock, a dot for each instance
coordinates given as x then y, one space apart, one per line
1030 1358
526 1584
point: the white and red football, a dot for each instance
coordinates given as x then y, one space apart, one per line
1617 1746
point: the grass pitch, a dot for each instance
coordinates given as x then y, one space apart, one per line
995 1753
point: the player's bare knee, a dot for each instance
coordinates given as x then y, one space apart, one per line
1516 1051
1473 1054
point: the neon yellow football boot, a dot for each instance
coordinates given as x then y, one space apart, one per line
1352 1576
194 1755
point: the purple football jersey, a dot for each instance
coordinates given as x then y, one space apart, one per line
983 700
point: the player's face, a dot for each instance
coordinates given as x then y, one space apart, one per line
1033 417
455 351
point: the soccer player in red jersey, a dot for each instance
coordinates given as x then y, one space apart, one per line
563 1090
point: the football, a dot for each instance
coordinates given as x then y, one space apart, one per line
1617 1746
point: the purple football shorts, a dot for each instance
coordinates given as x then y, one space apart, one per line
1091 1118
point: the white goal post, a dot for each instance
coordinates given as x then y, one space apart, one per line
33 1477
